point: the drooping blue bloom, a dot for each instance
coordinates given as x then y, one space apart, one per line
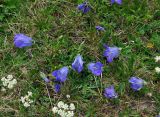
96 68
84 7
21 40
77 65
109 92
61 74
81 6
100 28
46 80
136 83
57 88
116 1
111 52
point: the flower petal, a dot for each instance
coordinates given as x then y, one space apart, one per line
96 68
21 40
61 74
136 83
110 92
77 65
57 88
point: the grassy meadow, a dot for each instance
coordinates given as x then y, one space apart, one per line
60 32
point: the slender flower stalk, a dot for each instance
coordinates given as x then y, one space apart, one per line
49 96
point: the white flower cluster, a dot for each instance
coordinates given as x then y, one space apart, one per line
26 99
68 96
8 82
157 69
64 110
157 59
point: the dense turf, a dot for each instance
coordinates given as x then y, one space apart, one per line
60 32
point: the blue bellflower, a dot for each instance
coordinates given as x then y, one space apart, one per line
96 68
84 7
57 88
77 65
21 40
111 52
109 92
136 83
116 1
100 28
61 74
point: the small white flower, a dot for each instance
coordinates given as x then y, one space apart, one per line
70 114
29 93
9 77
55 109
65 107
26 104
10 86
26 100
26 97
60 104
22 99
14 81
3 89
30 101
68 96
157 58
5 83
72 107
60 111
157 69
149 94
3 79
8 82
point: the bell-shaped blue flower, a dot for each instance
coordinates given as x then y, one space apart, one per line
116 1
96 68
61 74
21 40
111 52
84 7
109 92
100 28
136 83
57 88
77 65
